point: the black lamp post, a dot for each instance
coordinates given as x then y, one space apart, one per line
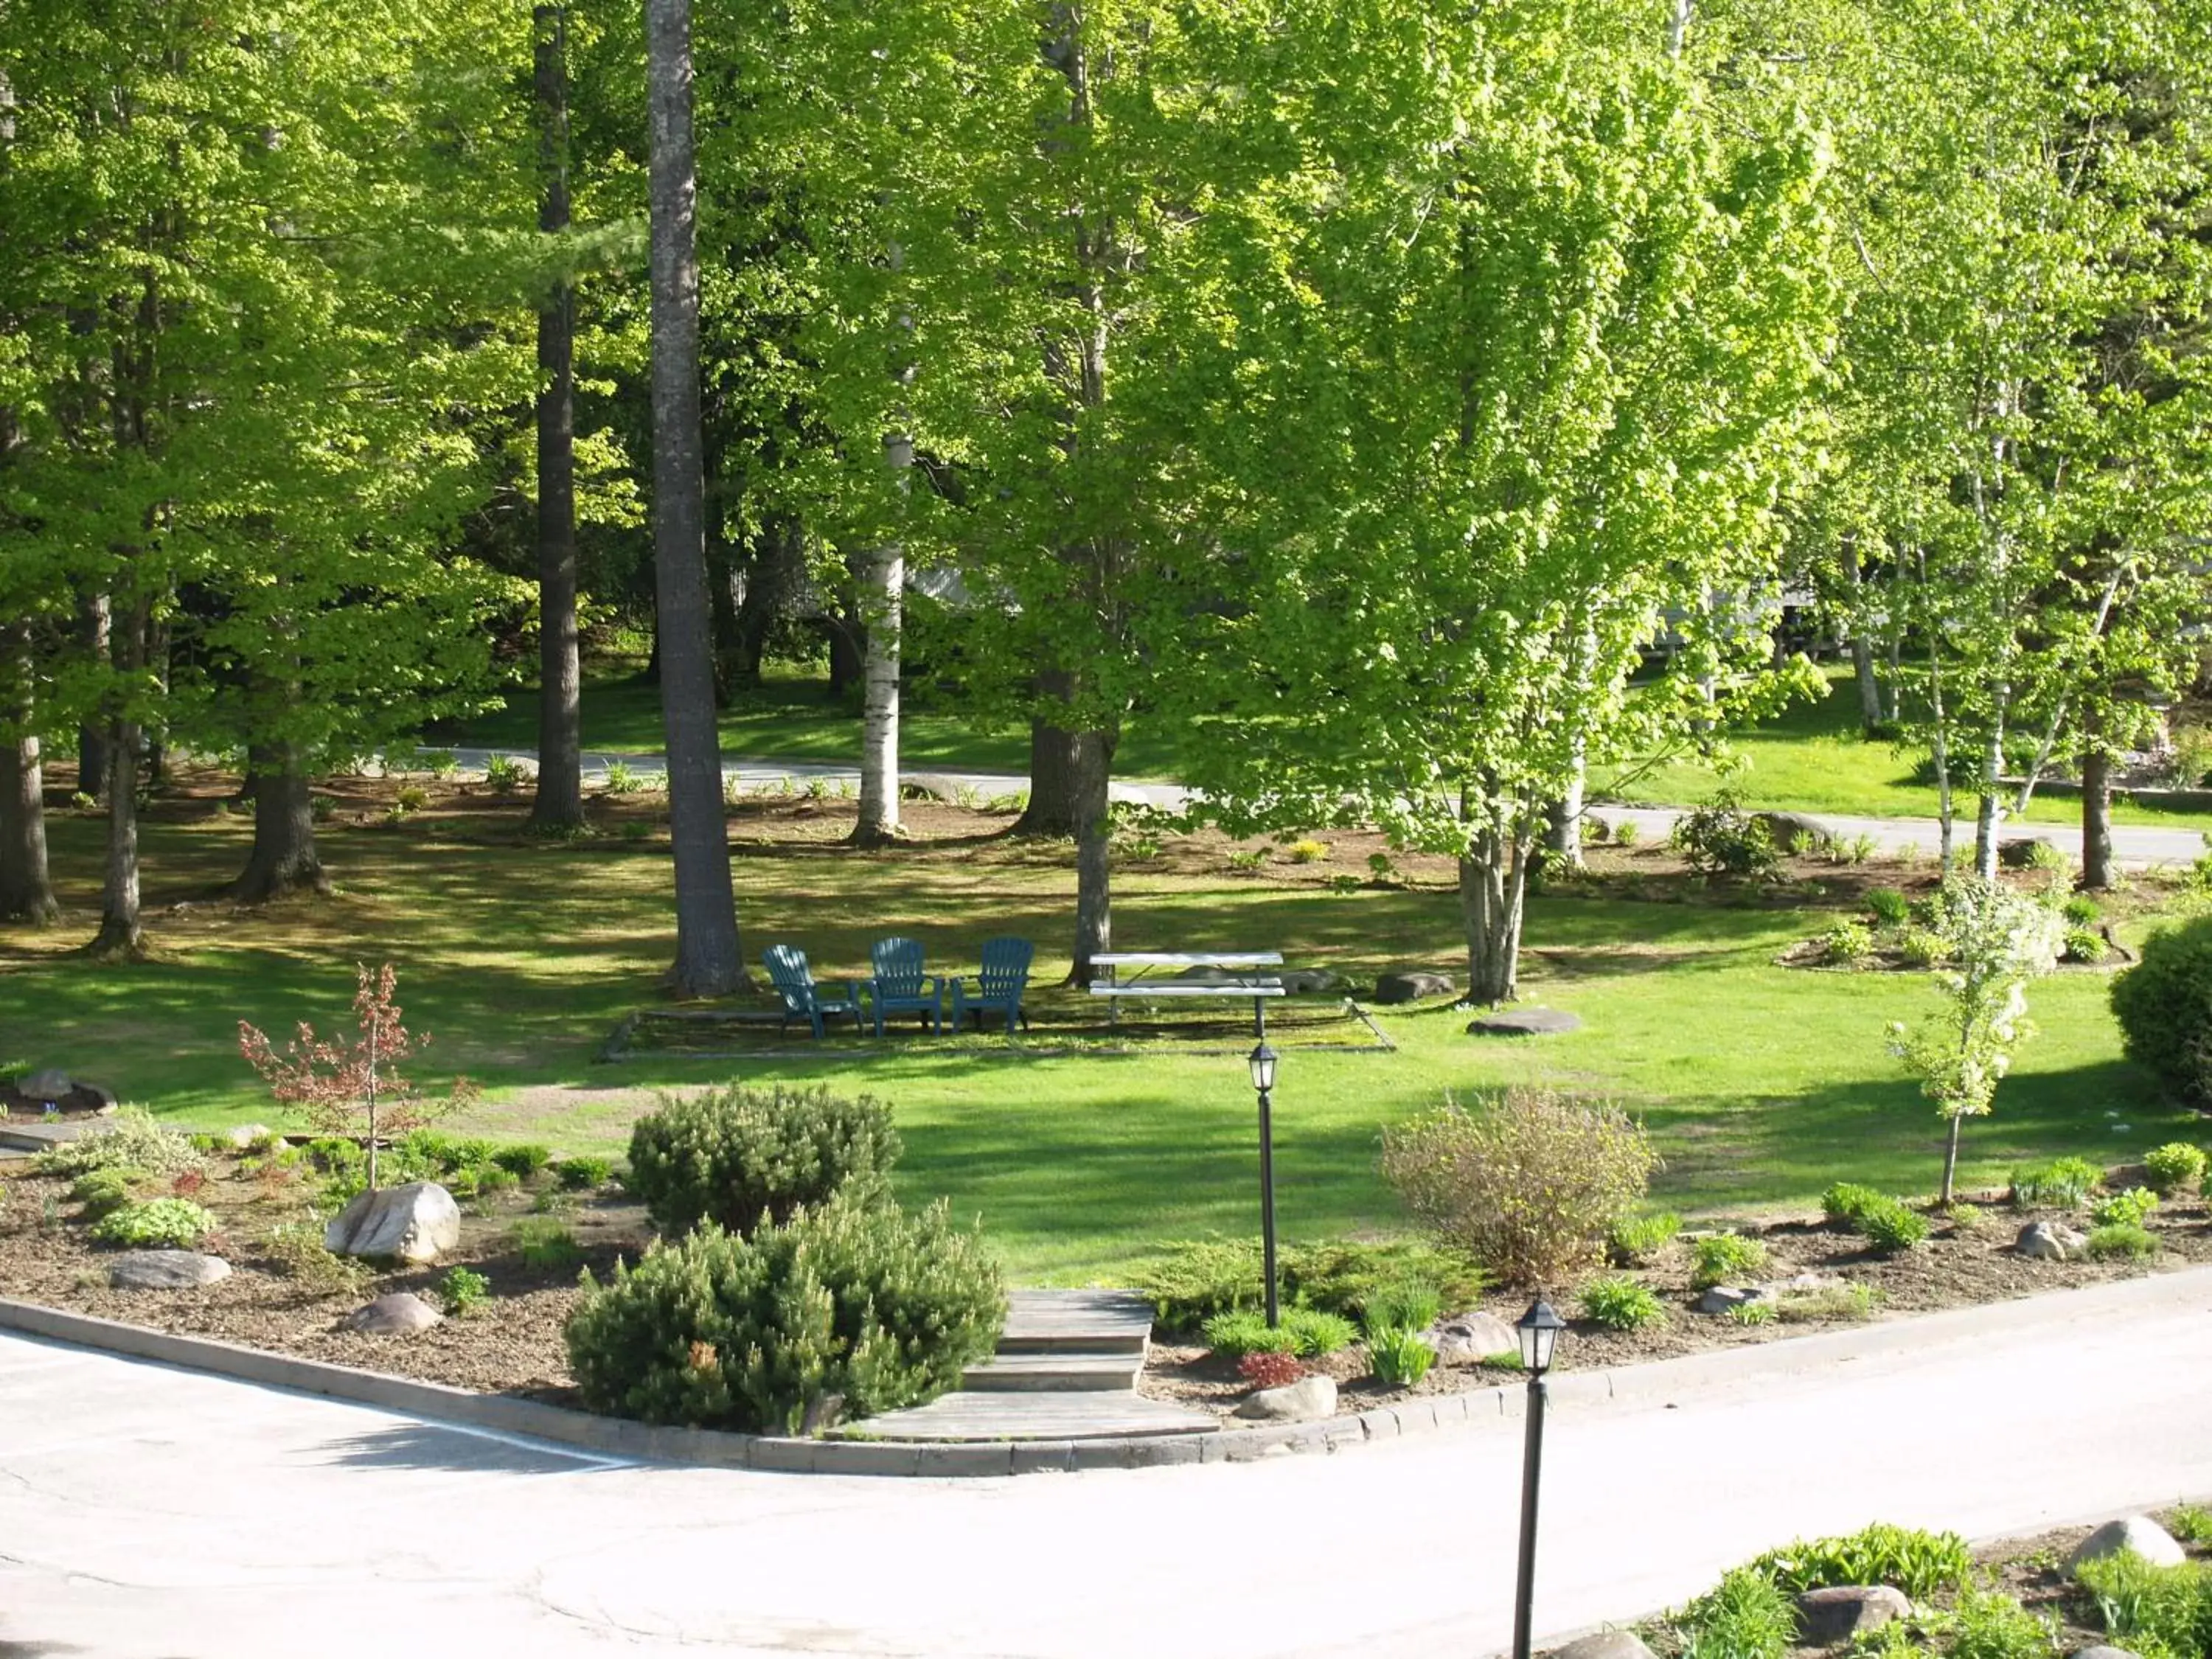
1539 1330
1263 1081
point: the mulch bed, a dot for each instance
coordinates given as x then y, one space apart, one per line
1960 1265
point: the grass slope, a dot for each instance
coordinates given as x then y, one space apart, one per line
1761 1084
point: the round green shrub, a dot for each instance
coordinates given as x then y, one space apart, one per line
732 1156
1846 1201
2082 945
2130 1208
1892 1227
1621 1304
861 1301
1725 1258
103 1192
1916 947
2173 1166
175 1224
2164 1004
584 1171
523 1160
2118 1239
1890 907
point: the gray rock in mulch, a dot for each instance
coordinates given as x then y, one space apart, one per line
1312 981
245 1134
2136 1533
1786 826
395 1315
2049 1241
165 1270
1843 1610
1524 1021
1412 985
414 1223
1605 1645
2020 854
1466 1338
1721 1297
1301 1401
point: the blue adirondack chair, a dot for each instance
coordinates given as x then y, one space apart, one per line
998 988
804 997
900 987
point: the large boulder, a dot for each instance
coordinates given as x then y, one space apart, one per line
1827 1616
2049 1241
2021 853
165 1270
1605 1645
51 1087
1466 1339
1301 1401
396 1315
1524 1021
244 1136
1789 829
416 1223
1412 985
2137 1534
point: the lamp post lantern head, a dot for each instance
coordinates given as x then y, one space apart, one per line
1539 1329
1263 1068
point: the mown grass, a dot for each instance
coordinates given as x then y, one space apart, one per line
1762 1084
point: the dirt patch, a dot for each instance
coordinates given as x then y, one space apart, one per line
1968 1259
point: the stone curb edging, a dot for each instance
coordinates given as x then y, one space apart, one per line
720 1448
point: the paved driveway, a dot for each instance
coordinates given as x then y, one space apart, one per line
153 1514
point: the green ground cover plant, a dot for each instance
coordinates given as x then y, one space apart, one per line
2162 1610
1725 1259
1308 1332
2121 1242
1621 1303
1639 1241
1921 1563
157 1224
2129 1207
2174 1167
2061 1184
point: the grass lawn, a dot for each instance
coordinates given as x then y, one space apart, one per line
1761 1084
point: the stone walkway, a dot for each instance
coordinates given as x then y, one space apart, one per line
1066 1368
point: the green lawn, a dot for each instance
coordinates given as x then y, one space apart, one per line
1762 1084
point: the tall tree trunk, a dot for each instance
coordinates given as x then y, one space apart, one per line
27 892
121 936
1870 687
1493 890
559 804
709 958
1563 834
882 590
93 627
284 860
1094 833
1989 808
2096 811
849 653
1052 809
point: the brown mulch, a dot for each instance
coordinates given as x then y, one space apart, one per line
1964 1262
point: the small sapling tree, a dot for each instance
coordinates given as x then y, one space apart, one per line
2000 940
352 1088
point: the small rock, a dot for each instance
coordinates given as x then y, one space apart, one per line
2020 854
394 1316
1787 828
2049 1241
414 1223
1312 981
1843 1610
245 1135
1806 1282
1467 1338
53 1087
1294 1402
2100 1651
165 1270
1524 1021
2136 1533
1721 1297
1605 1645
1412 985
930 786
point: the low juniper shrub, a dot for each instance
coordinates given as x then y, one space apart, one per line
1308 1332
524 1160
584 1172
736 1156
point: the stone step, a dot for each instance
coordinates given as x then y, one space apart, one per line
1056 1372
1076 1321
1098 1416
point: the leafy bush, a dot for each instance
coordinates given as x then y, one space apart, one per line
2082 911
1721 839
131 1139
103 1192
546 1244
1624 833
1846 1201
1744 1616
175 1224
1892 1227
2121 1240
1846 945
1411 1304
1890 907
1919 948
503 774
1621 1304
584 1171
2156 1610
1309 1332
524 1160
2130 1208
1265 1370
1990 1624
733 1156
2081 944
865 1302
1636 1240
2173 1166
1398 1358
1920 1563
2060 1184
463 1290
1308 851
1725 1259
1531 1189
2164 1004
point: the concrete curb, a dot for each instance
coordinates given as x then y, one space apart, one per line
1661 1380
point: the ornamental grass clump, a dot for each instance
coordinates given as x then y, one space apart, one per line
852 1308
1620 1303
1530 1187
740 1157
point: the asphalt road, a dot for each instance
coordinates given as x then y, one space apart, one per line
153 1514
